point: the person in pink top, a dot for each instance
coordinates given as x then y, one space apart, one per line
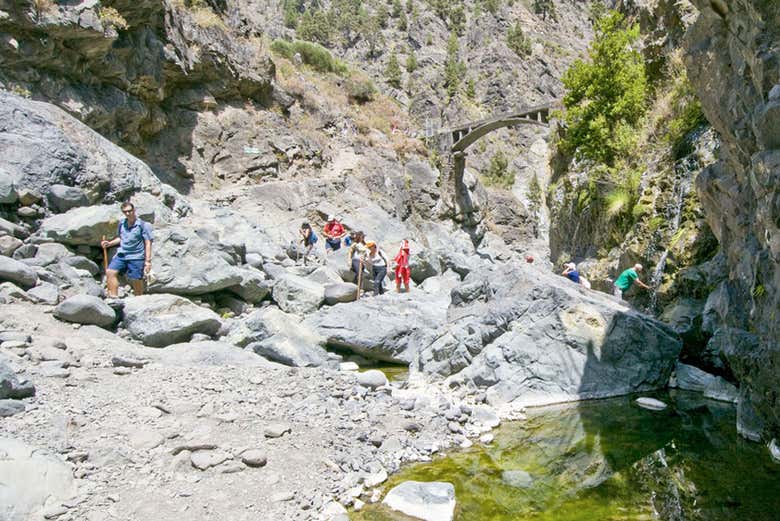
402 270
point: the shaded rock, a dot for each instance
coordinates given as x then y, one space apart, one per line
434 501
534 338
253 287
161 320
692 378
340 292
17 272
289 350
13 387
9 228
39 478
298 295
62 198
85 309
10 407
12 293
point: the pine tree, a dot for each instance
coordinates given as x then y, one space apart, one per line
471 89
545 8
411 62
393 71
397 8
454 69
409 6
457 17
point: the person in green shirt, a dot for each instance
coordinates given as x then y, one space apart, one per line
627 279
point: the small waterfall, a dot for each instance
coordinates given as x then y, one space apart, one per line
673 212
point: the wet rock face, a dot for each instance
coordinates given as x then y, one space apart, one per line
733 62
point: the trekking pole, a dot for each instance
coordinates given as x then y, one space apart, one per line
105 261
359 279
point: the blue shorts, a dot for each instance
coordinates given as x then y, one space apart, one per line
332 244
132 268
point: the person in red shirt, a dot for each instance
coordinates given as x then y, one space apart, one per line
402 270
334 231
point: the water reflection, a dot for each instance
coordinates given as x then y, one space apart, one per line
610 460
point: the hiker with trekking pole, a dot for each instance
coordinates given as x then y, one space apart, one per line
134 256
355 254
376 260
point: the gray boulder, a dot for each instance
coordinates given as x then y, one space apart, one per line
9 228
39 479
432 501
62 198
339 293
296 294
391 327
85 309
9 244
372 378
48 253
86 225
7 188
82 263
187 264
690 378
162 320
253 287
530 336
13 387
17 272
45 146
44 293
77 280
244 331
289 342
10 407
10 292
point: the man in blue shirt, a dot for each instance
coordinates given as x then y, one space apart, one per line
134 256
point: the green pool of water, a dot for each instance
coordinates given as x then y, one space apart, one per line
392 372
609 460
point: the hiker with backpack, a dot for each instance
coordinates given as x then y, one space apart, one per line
356 251
334 231
376 261
134 256
402 270
308 240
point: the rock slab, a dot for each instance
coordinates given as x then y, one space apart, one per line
85 309
434 501
162 320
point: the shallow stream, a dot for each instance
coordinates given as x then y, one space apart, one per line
609 460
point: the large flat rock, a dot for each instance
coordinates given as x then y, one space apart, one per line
531 337
29 479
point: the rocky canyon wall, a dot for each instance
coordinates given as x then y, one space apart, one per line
733 60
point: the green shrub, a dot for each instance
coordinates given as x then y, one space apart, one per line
688 116
498 173
315 56
605 97
517 41
360 89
